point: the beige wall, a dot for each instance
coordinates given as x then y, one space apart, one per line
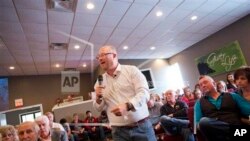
239 30
158 67
43 89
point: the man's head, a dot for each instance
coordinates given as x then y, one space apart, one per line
43 123
75 117
207 84
230 78
107 58
187 91
50 116
170 96
28 131
89 114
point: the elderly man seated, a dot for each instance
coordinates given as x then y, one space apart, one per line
47 133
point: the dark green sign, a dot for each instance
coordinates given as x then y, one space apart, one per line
226 59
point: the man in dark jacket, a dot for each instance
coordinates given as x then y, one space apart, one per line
215 112
174 117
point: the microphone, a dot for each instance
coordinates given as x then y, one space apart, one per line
100 81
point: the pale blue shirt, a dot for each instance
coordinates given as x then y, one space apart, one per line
127 84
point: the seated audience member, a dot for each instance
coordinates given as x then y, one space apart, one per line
154 110
53 124
59 101
231 86
47 133
174 118
221 86
178 94
242 80
66 127
103 118
28 131
70 98
77 129
95 132
215 111
8 133
187 96
197 94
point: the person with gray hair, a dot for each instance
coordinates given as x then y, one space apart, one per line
53 124
221 86
8 133
174 119
215 112
47 133
28 131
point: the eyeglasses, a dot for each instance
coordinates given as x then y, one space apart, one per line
102 55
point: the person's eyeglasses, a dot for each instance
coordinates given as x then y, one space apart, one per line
102 55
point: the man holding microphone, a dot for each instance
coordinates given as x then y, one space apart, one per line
123 94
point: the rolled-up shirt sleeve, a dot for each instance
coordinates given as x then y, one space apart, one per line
141 88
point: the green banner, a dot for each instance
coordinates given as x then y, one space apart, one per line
225 59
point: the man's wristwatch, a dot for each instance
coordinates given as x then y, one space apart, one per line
129 106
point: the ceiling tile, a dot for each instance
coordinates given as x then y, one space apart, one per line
59 29
37 37
226 8
40 52
30 4
85 19
8 27
10 37
118 6
6 3
58 38
82 30
34 28
10 17
32 16
108 21
58 17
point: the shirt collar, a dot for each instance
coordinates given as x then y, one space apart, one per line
116 72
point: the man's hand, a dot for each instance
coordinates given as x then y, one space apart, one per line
171 115
120 110
99 92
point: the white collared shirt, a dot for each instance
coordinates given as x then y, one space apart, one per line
127 84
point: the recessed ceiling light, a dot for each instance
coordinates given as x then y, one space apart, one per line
77 46
90 6
11 67
193 18
57 65
125 47
159 13
152 48
84 65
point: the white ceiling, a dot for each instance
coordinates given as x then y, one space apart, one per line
27 27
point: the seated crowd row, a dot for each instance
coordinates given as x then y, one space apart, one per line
216 107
